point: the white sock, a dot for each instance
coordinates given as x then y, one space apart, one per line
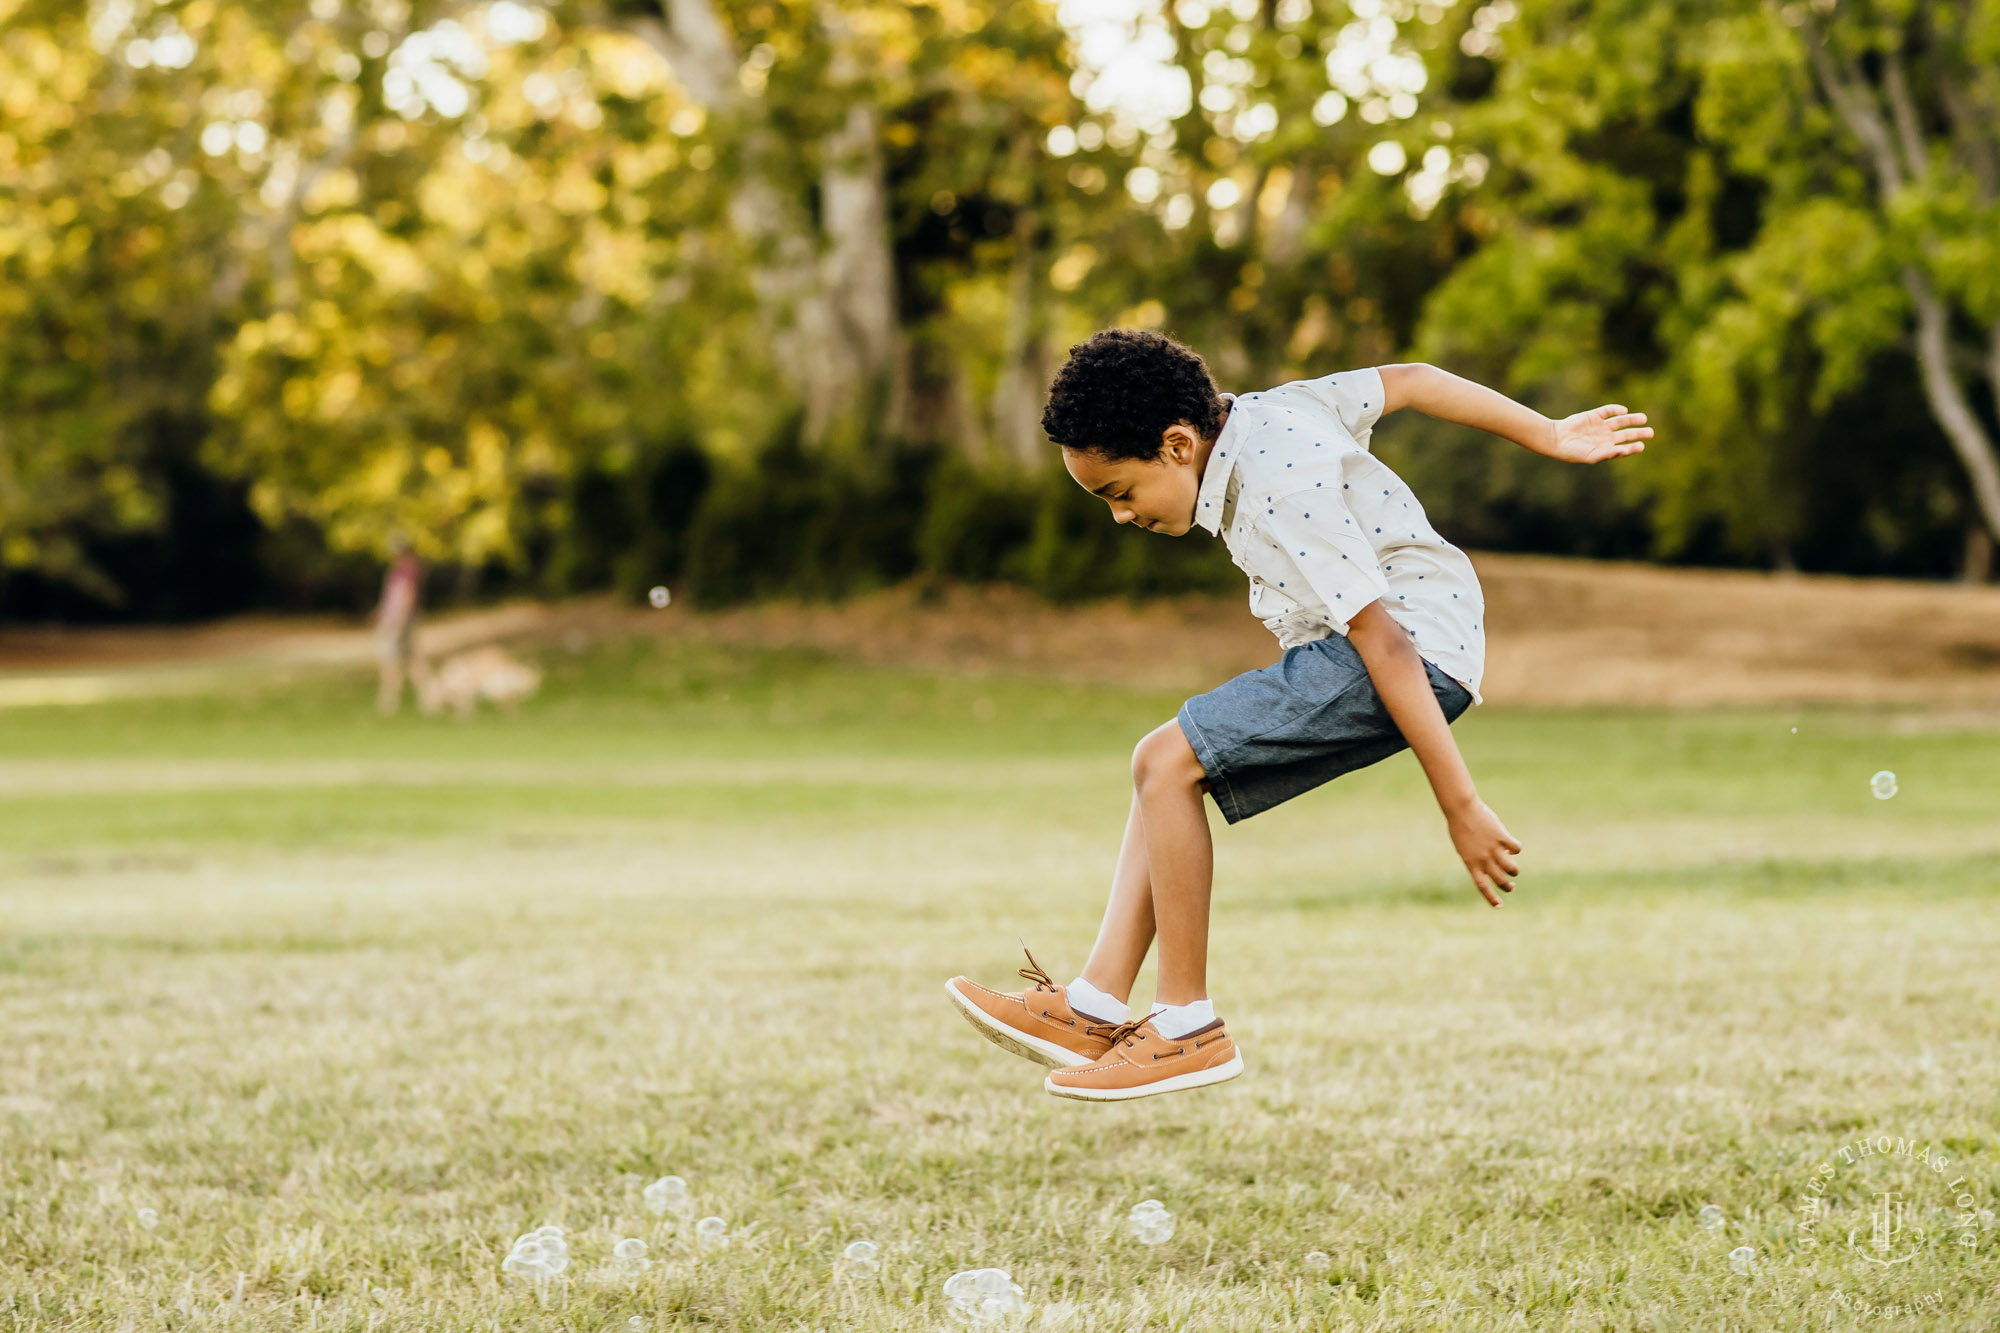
1091 1002
1174 1021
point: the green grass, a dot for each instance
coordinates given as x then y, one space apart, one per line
351 1002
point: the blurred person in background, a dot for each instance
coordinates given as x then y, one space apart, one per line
396 627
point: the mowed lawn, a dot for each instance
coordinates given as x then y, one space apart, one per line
350 1003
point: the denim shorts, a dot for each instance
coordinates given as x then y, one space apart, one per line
1269 735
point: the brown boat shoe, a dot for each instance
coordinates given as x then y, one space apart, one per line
1142 1063
1037 1023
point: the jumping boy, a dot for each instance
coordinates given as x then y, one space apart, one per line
1382 626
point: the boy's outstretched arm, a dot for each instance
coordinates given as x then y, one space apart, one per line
1483 843
1588 437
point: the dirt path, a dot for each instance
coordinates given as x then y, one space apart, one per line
1561 632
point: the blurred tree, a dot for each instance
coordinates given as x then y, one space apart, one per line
802 111
1734 213
481 273
1915 89
869 144
110 256
539 285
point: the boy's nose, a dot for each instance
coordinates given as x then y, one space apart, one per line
1123 515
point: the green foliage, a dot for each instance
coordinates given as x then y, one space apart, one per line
790 520
1679 216
461 272
815 523
108 263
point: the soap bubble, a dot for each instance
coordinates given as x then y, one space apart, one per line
712 1232
1710 1216
1742 1258
1318 1260
1883 784
635 1323
380 1295
1986 1218
659 597
148 1218
1150 1223
537 1255
631 1255
669 1194
860 1256
984 1295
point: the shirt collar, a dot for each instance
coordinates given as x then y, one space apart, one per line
1215 477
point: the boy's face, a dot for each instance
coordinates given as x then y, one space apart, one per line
1157 494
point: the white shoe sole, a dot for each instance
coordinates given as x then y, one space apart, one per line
1199 1078
1022 1044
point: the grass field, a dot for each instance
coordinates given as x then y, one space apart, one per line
350 1003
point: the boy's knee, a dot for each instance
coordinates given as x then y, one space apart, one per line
1164 756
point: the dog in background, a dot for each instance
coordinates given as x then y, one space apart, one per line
488 672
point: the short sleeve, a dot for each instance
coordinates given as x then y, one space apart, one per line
1324 541
1355 396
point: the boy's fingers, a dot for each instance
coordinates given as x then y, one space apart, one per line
1629 419
1610 410
1506 863
1511 843
1479 882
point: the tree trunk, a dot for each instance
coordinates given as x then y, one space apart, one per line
1284 243
1017 396
1948 401
1978 564
828 298
1859 105
858 275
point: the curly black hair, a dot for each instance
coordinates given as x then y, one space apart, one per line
1121 389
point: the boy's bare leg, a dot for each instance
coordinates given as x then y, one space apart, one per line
1180 859
1127 930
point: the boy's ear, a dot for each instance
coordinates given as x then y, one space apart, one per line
1178 442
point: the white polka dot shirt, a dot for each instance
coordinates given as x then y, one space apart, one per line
1323 528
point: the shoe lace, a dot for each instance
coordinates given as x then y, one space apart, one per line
1116 1033
1033 972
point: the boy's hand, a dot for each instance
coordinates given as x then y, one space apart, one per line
1486 847
1601 433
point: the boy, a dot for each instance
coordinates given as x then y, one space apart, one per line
1381 622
